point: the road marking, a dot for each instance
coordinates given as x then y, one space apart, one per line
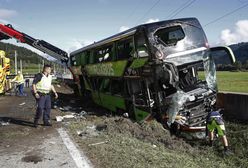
80 159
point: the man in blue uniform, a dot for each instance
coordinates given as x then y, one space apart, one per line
42 87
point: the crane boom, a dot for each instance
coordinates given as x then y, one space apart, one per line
7 32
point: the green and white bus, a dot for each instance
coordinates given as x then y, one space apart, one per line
152 70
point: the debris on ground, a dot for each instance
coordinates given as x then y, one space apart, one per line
98 143
59 118
22 104
88 131
115 141
66 108
82 113
3 123
107 139
70 116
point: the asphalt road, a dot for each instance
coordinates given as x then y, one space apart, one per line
22 145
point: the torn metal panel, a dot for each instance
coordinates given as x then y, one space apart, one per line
210 73
176 104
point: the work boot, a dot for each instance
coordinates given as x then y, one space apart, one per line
227 151
47 124
35 123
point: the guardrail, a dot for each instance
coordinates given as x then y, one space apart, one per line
235 105
24 75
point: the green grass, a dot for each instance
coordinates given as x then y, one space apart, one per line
133 145
231 81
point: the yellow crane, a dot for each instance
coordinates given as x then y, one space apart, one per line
4 71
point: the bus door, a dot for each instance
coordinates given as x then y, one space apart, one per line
141 98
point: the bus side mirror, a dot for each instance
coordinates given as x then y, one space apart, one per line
227 51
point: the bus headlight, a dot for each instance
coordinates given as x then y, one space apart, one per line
159 54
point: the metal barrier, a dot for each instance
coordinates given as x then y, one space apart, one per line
235 105
24 75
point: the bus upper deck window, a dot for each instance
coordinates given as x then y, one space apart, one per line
104 54
141 45
91 57
73 60
125 49
170 36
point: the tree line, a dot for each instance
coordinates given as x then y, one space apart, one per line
30 59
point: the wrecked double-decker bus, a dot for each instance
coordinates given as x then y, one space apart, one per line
163 70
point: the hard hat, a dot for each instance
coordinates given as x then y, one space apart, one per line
2 53
18 72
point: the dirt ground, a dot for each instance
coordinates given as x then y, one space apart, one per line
108 140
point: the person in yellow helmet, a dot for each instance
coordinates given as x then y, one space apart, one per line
20 83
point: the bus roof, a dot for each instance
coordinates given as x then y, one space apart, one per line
127 33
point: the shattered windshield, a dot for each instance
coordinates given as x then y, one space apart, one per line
169 36
176 38
195 68
182 44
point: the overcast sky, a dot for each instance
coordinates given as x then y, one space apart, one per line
71 24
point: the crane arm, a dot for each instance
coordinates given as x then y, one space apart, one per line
7 32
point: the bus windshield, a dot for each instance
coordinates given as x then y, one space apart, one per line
177 38
183 43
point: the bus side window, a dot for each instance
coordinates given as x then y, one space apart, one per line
141 45
91 57
73 60
105 86
135 87
82 58
97 56
88 55
117 87
92 83
125 49
104 54
108 53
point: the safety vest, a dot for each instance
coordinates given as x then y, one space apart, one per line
19 79
45 84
